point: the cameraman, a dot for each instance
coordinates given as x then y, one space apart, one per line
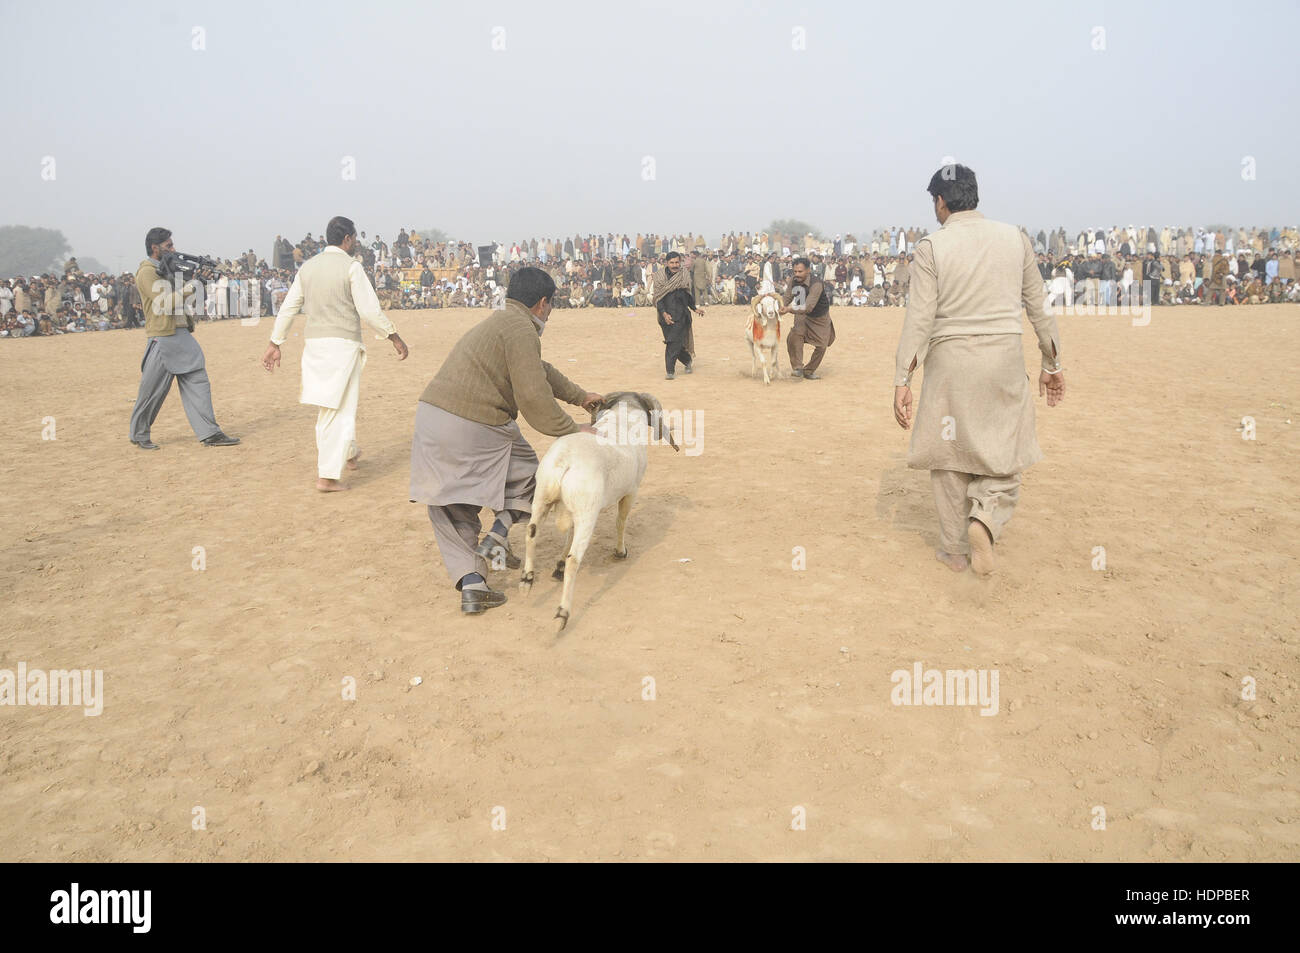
172 351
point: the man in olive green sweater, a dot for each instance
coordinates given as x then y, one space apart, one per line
468 451
171 353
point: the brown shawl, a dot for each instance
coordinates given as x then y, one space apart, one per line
665 283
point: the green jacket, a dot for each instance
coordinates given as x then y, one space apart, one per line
161 303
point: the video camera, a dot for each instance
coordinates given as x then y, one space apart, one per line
179 263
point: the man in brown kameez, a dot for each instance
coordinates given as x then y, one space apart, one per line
468 452
975 421
810 303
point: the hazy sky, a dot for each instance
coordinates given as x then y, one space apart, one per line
233 143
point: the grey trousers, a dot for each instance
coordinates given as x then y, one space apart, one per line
962 497
165 359
457 528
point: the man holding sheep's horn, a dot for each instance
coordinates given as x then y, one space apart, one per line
468 451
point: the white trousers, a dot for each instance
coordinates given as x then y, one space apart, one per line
336 430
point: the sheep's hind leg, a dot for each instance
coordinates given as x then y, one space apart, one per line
583 529
530 546
564 523
530 549
620 544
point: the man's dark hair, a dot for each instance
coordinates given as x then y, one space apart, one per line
338 229
155 236
956 185
672 254
529 286
802 261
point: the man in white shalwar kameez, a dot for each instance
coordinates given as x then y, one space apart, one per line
333 291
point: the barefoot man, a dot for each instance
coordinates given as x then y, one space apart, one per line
333 291
975 422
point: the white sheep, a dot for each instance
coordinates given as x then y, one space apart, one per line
584 473
763 332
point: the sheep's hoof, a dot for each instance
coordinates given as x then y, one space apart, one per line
526 583
563 615
622 555
559 573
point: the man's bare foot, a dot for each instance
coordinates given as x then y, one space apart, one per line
352 461
957 562
329 486
981 548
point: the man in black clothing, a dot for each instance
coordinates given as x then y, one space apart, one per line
674 301
426 285
1154 272
1108 278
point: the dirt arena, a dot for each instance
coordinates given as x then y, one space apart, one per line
1119 688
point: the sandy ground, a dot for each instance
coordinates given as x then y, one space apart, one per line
1119 688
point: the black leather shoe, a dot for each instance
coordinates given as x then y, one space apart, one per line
491 549
810 376
145 444
219 439
474 601
797 374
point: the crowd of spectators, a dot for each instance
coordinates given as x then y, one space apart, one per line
1098 267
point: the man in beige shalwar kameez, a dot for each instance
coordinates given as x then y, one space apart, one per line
975 422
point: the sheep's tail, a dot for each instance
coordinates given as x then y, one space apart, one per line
550 478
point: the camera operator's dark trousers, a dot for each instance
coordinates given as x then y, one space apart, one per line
178 357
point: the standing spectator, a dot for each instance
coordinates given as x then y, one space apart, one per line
1154 272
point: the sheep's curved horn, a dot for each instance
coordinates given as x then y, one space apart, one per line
656 414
